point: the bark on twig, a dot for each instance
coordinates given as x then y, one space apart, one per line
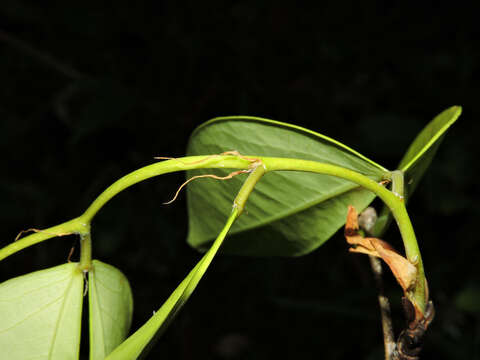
385 312
367 221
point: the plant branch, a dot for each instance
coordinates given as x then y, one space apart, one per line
247 187
160 168
397 207
75 226
134 346
81 225
366 221
384 304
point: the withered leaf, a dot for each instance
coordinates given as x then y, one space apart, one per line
404 271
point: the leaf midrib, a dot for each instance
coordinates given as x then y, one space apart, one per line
60 315
432 140
96 303
340 191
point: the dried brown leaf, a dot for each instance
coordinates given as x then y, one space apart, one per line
403 270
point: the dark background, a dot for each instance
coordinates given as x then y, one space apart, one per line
90 92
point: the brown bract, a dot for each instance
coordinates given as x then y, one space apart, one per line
404 271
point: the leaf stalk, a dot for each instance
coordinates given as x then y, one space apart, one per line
397 207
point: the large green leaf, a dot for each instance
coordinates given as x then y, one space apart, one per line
289 213
41 314
110 308
137 344
419 156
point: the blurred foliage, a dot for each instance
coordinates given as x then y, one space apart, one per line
91 91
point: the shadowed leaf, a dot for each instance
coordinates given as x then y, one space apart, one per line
289 213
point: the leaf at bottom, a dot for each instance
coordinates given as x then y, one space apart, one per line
110 307
41 314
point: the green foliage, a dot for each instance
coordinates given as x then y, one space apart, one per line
418 157
293 214
41 314
290 213
423 149
110 308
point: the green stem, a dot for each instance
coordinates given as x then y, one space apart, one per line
134 345
75 226
85 252
398 186
164 167
396 206
247 188
81 225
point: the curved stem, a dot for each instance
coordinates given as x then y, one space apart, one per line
75 226
396 206
81 225
134 345
164 167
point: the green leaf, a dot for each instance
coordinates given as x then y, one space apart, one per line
289 213
41 314
422 150
110 308
139 342
419 157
